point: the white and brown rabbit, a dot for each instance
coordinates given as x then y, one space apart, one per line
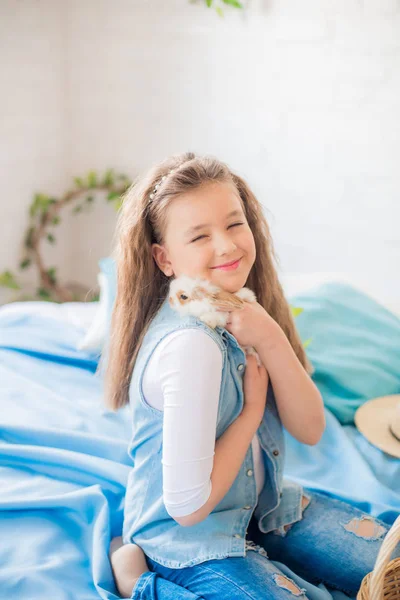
203 299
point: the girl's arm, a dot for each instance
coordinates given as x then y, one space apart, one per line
189 372
298 399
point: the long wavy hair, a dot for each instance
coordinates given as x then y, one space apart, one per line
142 286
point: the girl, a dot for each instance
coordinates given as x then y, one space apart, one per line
207 511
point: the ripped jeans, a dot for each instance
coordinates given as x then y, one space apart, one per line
334 543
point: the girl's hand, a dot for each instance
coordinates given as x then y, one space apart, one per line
249 324
255 386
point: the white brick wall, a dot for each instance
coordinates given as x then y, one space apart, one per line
302 98
33 122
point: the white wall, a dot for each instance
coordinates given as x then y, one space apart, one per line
33 119
301 98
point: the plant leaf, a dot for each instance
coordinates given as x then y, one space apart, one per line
79 181
113 195
108 177
92 179
307 342
25 263
43 293
52 274
40 203
7 280
234 3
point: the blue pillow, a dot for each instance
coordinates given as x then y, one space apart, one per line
355 346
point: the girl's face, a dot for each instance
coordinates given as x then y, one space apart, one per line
202 234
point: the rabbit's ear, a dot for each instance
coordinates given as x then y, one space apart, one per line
199 293
226 301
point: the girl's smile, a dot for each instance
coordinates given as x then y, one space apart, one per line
232 266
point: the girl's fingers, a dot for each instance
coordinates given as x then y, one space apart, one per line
251 360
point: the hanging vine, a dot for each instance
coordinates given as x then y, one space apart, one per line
45 214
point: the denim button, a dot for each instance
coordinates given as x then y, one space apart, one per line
247 507
249 473
240 367
275 452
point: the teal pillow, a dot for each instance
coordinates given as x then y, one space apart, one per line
354 348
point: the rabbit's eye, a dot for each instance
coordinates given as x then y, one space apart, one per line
183 297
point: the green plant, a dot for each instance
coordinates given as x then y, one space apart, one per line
218 4
44 216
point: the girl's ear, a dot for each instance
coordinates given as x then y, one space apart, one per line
160 255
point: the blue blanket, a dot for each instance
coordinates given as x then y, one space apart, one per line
64 467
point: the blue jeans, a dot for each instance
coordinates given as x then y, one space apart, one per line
329 545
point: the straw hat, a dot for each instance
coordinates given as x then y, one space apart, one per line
379 421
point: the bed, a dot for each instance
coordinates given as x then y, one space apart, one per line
63 456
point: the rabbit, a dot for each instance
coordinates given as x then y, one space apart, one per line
201 298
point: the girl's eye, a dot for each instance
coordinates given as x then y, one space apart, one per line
202 236
234 224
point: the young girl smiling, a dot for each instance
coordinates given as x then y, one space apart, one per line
207 509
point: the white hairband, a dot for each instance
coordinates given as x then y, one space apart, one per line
159 183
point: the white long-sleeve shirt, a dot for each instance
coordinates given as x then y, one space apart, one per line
183 379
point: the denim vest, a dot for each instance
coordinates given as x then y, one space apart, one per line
223 532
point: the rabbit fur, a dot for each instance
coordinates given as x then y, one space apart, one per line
206 301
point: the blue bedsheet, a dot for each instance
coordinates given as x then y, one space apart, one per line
64 466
